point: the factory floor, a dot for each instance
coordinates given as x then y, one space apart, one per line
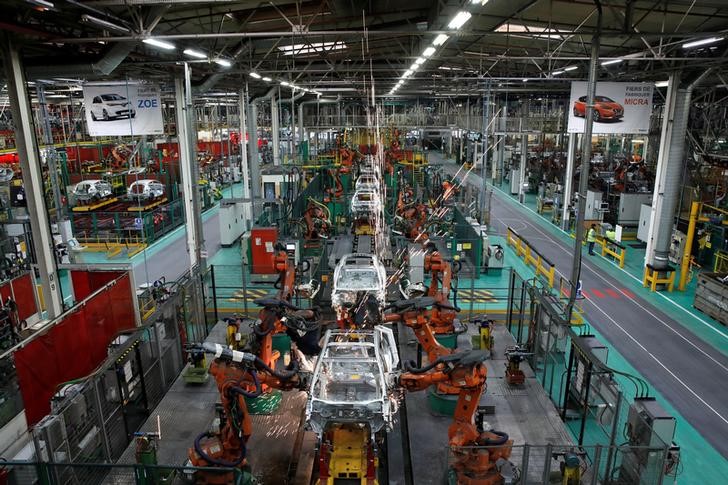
281 451
679 352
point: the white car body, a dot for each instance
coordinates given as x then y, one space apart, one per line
366 201
145 189
353 380
105 107
92 189
367 181
358 274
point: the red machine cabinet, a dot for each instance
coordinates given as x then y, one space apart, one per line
262 249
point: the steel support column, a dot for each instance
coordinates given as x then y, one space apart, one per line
32 177
187 139
245 169
568 180
501 141
522 168
585 159
275 130
254 161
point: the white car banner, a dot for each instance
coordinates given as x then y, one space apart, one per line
618 107
123 109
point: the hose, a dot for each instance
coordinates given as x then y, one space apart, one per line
410 366
502 439
284 375
217 461
258 387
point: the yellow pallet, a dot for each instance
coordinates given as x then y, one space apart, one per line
93 207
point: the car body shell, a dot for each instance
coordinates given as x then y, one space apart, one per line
355 274
92 189
353 380
105 107
604 108
145 189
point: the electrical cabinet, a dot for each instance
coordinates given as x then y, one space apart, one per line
515 180
643 228
232 222
630 207
650 430
262 249
593 206
677 246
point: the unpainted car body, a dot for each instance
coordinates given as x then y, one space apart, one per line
360 280
91 190
354 379
145 189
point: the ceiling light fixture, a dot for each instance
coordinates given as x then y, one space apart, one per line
414 67
556 73
223 62
419 60
195 53
407 73
459 19
525 80
103 23
440 39
285 83
267 79
159 43
42 4
612 61
255 75
570 68
697 43
429 51
662 84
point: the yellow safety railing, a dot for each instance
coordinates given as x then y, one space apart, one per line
531 256
113 245
613 248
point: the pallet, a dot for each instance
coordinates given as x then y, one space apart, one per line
93 207
147 207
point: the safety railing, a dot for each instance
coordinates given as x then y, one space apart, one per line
612 248
564 463
531 256
58 473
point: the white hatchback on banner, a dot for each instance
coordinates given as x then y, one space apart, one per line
123 109
618 107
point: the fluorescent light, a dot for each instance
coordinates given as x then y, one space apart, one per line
407 73
662 84
429 51
255 75
267 79
103 23
42 3
440 39
414 67
285 83
159 43
194 53
481 2
459 19
419 60
570 68
696 43
613 61
223 62
556 73
525 80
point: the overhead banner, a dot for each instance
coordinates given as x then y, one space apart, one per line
618 107
123 109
